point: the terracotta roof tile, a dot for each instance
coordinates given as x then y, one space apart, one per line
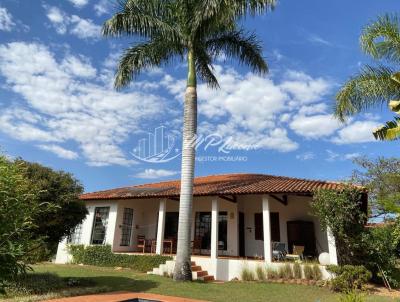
226 184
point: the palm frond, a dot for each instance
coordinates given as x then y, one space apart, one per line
373 86
143 56
381 39
391 131
236 44
204 68
148 18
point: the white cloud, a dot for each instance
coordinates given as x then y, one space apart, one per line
305 89
313 38
79 67
306 156
315 126
84 28
6 22
154 174
332 156
59 151
58 18
352 155
102 7
75 25
357 132
65 104
79 3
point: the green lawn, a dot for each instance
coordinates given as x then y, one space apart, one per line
116 280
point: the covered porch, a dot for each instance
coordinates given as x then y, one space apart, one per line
224 227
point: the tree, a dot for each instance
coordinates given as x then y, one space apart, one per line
342 212
375 85
196 32
381 177
61 190
19 205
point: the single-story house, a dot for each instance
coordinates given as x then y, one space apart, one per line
236 220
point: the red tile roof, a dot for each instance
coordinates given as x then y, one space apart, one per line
226 184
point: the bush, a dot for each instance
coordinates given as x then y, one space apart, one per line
297 271
316 272
352 297
261 273
247 274
349 277
285 271
272 273
308 272
103 256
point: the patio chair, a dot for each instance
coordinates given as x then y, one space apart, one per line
141 243
196 245
278 251
298 251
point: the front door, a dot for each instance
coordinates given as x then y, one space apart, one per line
242 251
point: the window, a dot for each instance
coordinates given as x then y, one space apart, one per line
258 226
274 222
76 234
100 222
203 229
126 227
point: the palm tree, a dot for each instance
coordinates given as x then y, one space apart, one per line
375 85
196 32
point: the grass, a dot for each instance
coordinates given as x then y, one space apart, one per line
109 279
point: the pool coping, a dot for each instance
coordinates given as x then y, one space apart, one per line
121 296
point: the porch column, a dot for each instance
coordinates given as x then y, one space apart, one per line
332 248
266 229
214 228
161 226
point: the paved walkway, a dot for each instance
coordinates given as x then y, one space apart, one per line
121 296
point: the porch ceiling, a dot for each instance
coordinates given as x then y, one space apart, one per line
226 184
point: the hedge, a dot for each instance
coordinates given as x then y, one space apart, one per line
101 255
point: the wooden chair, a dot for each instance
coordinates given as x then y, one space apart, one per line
298 251
141 243
196 245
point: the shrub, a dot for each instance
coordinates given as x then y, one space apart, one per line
297 271
349 277
272 273
352 297
308 272
285 271
247 274
261 273
103 256
316 272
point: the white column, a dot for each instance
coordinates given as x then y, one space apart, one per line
161 226
332 248
266 229
214 228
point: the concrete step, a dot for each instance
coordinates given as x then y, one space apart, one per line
156 271
197 275
196 268
207 278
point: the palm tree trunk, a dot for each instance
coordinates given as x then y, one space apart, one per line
183 271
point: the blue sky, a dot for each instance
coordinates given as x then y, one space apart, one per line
58 107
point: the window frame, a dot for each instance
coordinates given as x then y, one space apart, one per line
105 225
